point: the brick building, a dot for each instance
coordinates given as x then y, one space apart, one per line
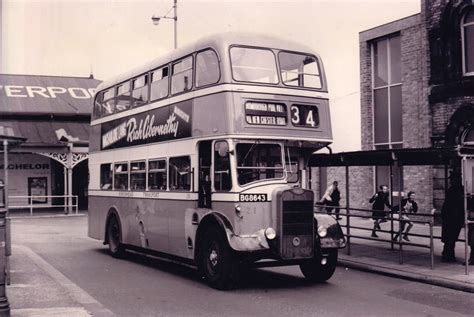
417 91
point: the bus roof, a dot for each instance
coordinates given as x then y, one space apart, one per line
219 41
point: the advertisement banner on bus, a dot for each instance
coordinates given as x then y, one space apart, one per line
157 125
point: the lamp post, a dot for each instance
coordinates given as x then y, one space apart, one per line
8 139
156 21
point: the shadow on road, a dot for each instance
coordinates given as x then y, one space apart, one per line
250 278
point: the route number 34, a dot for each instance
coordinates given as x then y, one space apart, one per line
302 115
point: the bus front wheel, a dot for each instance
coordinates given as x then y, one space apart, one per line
320 268
217 261
114 235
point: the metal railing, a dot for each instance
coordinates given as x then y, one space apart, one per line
392 217
70 202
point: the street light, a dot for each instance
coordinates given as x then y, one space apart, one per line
156 21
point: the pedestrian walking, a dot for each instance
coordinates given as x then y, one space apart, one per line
331 199
452 216
379 200
408 207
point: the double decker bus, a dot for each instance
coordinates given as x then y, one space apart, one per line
201 156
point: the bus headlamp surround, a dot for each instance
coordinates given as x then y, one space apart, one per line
322 231
270 233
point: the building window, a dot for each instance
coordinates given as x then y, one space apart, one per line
467 32
387 102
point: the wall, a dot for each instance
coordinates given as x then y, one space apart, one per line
416 112
21 167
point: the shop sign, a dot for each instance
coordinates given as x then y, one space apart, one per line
16 91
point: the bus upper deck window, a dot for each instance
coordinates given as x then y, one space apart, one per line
140 91
182 76
207 68
108 104
99 98
253 65
299 70
159 83
123 97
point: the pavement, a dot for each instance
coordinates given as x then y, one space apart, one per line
38 289
378 257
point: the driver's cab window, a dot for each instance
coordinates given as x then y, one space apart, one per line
222 175
292 165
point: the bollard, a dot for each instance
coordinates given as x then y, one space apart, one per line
4 306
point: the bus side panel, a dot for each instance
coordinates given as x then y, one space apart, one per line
127 211
210 115
177 225
95 138
96 218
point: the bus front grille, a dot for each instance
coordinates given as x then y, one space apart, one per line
297 226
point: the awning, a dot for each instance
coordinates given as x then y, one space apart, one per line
417 156
44 133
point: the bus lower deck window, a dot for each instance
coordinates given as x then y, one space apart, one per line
106 176
121 176
157 175
137 175
180 173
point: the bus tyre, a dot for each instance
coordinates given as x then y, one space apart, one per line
114 236
217 261
316 272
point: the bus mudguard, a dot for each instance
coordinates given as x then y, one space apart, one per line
249 242
328 232
112 212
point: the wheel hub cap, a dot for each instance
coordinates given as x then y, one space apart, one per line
213 257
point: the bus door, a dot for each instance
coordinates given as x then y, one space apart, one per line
204 185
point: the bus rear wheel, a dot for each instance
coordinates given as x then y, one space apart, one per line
315 271
114 235
217 261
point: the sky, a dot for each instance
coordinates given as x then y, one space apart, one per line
107 37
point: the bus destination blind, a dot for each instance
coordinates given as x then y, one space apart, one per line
264 113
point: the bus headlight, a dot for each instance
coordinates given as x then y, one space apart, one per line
322 231
270 233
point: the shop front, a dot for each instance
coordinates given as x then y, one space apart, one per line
53 115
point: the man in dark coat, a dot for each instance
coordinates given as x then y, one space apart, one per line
452 215
379 200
